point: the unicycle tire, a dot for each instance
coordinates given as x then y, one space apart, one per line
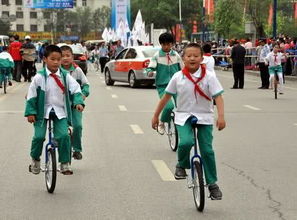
51 170
198 188
275 91
5 84
172 135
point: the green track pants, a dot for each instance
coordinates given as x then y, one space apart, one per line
77 130
60 130
186 142
166 113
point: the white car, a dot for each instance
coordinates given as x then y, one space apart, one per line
130 66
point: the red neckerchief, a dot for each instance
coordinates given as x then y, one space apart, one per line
58 81
197 88
168 58
75 65
207 54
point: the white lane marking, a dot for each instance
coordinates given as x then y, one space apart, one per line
163 170
252 107
295 124
122 108
103 81
114 96
136 129
108 88
10 112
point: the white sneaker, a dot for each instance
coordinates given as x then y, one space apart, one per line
161 129
35 166
66 169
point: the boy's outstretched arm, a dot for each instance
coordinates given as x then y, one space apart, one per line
161 104
221 124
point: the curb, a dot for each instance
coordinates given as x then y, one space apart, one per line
256 73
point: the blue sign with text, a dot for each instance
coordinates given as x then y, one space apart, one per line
48 3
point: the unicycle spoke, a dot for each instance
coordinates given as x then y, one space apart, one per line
172 135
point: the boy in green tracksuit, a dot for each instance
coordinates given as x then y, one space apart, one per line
52 92
6 66
165 62
77 73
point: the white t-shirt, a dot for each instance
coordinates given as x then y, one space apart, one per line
187 104
209 61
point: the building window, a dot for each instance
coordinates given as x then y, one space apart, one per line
19 14
84 2
33 14
33 27
5 2
19 27
5 14
47 28
18 2
46 15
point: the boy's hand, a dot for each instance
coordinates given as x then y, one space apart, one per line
84 97
155 122
31 118
150 74
221 124
79 108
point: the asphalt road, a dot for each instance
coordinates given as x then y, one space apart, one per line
127 168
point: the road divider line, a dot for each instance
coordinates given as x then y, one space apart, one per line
122 108
103 81
252 107
136 129
163 170
295 124
114 96
108 88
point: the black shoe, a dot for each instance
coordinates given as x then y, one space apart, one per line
234 88
0 86
261 87
180 173
77 155
9 83
215 192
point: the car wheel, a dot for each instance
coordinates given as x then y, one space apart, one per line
132 80
108 80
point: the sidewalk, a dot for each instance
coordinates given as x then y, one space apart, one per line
257 73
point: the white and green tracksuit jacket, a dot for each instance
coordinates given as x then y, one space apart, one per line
35 104
165 66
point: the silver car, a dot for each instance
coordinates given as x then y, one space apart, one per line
129 66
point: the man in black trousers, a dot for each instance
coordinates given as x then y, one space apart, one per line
237 56
263 52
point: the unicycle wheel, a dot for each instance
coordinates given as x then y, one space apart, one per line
51 170
198 186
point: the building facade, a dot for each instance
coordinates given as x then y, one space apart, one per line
34 19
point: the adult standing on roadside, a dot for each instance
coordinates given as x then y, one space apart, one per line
264 50
103 56
237 55
15 51
28 52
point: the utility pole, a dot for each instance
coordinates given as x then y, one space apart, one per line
203 21
180 21
274 18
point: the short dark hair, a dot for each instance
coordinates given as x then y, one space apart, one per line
195 45
66 48
166 38
206 48
16 37
5 48
51 49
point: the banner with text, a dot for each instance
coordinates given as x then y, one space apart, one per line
120 12
48 3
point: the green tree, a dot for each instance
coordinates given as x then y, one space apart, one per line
84 20
4 27
101 18
228 17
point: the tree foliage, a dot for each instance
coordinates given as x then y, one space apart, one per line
101 18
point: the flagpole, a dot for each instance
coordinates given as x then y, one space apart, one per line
274 18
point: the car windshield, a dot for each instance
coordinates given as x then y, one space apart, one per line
149 52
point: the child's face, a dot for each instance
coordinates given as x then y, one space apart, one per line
53 61
166 47
67 58
192 59
275 49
